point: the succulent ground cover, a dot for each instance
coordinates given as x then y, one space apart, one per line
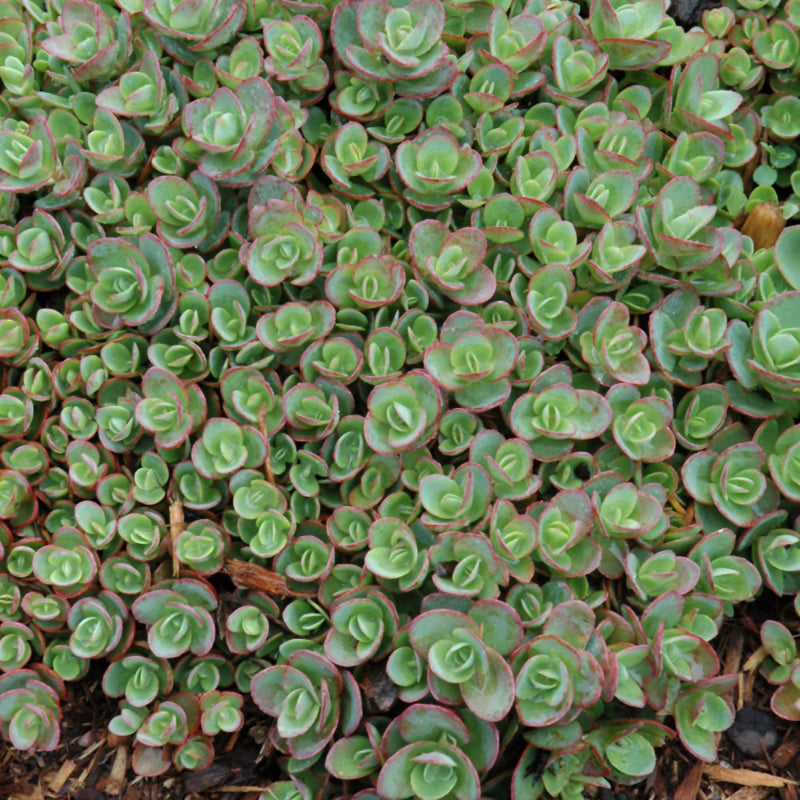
418 379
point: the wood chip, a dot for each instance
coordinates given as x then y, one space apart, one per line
119 769
786 753
241 789
689 786
750 793
114 741
744 777
95 751
35 793
56 783
733 656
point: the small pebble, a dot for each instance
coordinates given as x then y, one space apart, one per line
751 729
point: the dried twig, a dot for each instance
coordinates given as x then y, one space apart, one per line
177 525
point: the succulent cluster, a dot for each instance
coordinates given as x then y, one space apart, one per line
460 340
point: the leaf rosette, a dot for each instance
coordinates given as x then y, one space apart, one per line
458 501
134 282
641 425
433 167
226 447
188 212
68 563
678 232
775 347
349 154
95 43
564 543
509 463
197 27
30 711
177 616
403 414
611 348
396 554
28 160
152 95
233 131
402 46
473 360
372 282
428 771
363 623
702 712
625 31
578 66
295 325
293 50
101 626
464 667
221 711
732 482
553 414
170 409
778 556
281 246
452 262
554 679
436 754
310 698
685 336
41 247
699 104
138 678
517 42
547 302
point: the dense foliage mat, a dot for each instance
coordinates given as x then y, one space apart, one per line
460 340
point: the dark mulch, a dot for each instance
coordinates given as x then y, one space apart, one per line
92 764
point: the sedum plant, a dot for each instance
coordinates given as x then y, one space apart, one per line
416 379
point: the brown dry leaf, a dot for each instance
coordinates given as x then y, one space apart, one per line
689 786
252 576
764 225
744 777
